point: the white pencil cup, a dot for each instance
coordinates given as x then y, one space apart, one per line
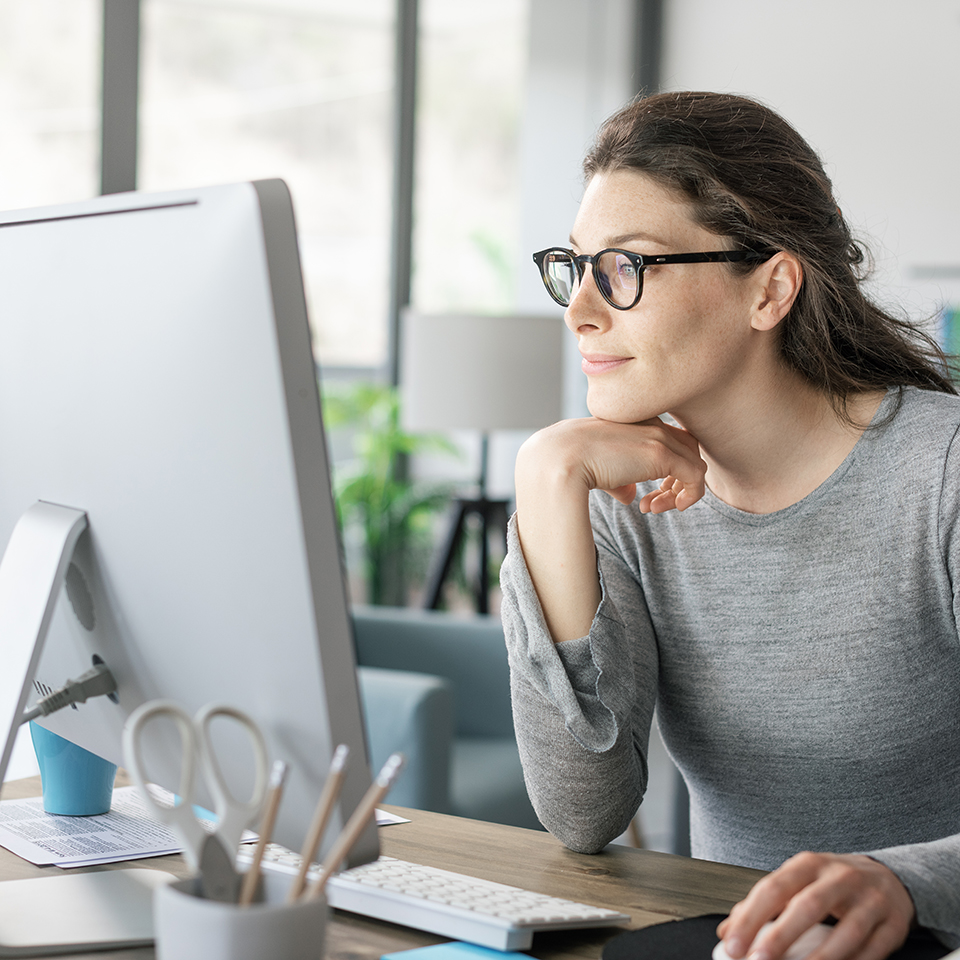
187 927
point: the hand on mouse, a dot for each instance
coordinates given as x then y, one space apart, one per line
800 949
873 909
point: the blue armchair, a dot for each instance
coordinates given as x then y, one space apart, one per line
436 686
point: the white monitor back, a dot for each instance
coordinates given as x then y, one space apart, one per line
156 372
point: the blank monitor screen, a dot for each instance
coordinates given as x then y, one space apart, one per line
156 372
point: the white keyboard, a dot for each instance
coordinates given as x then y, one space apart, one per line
449 904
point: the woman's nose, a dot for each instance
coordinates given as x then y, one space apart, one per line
587 308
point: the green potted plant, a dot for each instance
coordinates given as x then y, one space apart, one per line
374 493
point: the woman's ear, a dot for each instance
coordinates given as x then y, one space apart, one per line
778 282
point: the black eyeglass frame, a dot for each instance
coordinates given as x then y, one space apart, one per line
640 261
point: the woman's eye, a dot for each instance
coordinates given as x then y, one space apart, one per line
626 270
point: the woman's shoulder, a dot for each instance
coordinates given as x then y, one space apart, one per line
914 440
920 414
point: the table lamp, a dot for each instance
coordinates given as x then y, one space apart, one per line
484 373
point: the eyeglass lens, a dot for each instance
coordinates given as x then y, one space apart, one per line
561 275
617 277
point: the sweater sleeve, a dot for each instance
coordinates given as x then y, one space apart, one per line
931 874
931 871
582 708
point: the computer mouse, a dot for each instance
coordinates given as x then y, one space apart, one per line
802 947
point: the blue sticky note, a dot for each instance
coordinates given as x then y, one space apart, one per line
453 951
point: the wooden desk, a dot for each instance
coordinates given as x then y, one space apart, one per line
650 887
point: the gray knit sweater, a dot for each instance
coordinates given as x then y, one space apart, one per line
805 666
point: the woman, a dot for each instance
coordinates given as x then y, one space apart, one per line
774 568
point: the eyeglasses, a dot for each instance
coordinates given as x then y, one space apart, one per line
619 273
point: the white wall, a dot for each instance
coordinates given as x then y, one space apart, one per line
873 85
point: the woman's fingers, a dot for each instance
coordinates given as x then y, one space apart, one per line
873 909
673 494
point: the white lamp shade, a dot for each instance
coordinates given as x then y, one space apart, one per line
481 372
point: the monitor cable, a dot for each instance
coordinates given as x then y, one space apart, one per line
96 682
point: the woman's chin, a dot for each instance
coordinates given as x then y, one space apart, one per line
619 412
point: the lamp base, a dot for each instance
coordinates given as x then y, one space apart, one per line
493 515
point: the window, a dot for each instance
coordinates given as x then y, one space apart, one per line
300 89
49 101
472 62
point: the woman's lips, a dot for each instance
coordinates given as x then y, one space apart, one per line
595 363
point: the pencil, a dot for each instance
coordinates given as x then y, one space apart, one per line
355 825
321 816
278 776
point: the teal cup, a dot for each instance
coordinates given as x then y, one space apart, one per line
76 782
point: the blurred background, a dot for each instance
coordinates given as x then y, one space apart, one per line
431 146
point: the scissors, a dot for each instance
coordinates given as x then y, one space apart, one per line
211 856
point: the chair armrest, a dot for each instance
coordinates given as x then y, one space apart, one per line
470 652
411 713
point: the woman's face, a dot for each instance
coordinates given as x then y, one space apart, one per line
689 340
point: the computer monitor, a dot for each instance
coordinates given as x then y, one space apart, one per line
156 373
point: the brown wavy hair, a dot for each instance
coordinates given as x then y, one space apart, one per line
752 178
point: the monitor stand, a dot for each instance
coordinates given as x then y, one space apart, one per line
79 912
32 573
60 914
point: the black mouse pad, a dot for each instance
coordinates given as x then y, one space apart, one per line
694 939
